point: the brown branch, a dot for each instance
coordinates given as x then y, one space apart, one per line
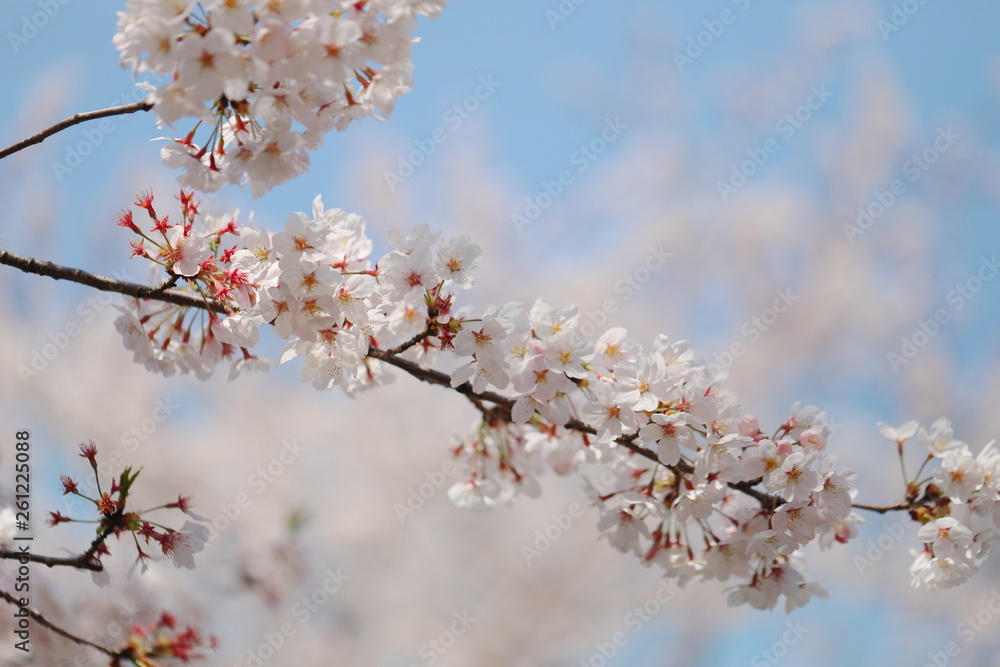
58 272
437 377
403 347
390 356
882 509
84 561
36 615
74 561
75 119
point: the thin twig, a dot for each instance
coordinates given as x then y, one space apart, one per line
882 509
58 272
166 284
36 615
84 561
406 345
74 561
75 119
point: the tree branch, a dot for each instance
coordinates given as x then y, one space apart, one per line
75 119
74 561
432 376
429 375
403 347
84 561
882 509
58 272
36 615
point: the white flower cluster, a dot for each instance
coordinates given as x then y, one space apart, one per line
319 290
959 504
706 493
701 492
266 80
313 282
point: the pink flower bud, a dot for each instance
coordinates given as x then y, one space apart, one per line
813 439
784 447
748 426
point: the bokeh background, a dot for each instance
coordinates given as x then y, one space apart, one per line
694 90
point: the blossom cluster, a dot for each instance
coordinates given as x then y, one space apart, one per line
313 282
117 519
164 639
958 504
706 493
266 81
701 491
170 338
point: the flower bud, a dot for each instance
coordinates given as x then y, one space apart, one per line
813 439
748 426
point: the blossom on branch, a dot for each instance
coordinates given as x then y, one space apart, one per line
266 81
707 495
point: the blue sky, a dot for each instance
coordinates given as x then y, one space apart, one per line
943 55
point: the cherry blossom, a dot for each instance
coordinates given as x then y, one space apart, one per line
939 439
701 492
263 83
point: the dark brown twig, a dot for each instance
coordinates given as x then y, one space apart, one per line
58 272
884 509
75 119
84 561
37 616
71 561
